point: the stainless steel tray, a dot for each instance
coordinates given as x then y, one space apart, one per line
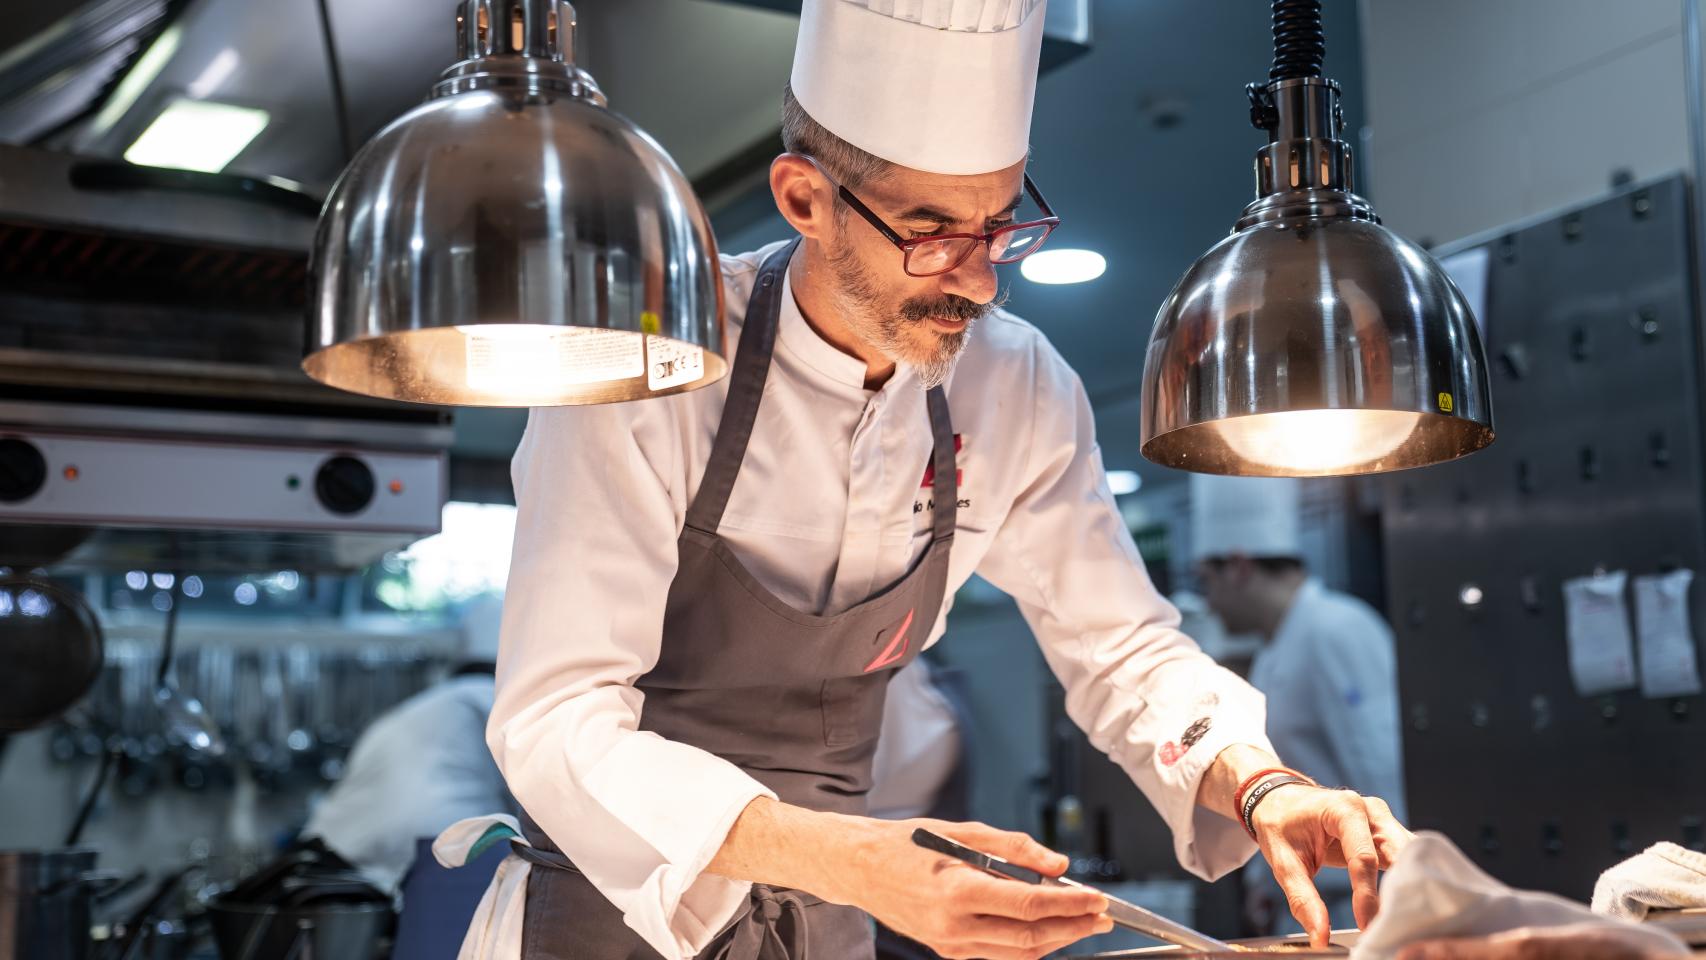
1297 946
1689 925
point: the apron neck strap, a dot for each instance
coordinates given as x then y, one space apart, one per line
746 388
944 461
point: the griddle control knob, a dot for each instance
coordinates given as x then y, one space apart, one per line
23 470
344 485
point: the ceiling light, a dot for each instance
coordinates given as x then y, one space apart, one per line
218 70
1122 482
512 242
197 135
1312 341
1063 266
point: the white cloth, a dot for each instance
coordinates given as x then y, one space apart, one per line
828 510
938 85
1434 891
1663 876
419 767
495 930
919 749
1252 516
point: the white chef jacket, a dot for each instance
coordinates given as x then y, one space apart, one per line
829 508
420 767
918 748
1331 675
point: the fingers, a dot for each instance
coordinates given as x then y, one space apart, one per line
1300 894
996 938
1350 823
1012 847
1390 836
1026 902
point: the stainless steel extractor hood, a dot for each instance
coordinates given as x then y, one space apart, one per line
152 410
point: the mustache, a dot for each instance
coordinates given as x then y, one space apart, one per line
948 307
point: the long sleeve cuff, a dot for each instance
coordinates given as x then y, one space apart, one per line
684 817
1208 843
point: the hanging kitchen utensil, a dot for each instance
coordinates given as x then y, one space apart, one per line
52 645
185 721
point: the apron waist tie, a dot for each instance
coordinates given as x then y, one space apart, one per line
761 927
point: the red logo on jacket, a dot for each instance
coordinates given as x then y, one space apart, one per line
930 468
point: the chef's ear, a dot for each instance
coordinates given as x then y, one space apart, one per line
803 195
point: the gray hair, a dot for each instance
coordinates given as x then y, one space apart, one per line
849 165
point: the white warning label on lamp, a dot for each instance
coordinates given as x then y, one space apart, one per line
671 363
532 359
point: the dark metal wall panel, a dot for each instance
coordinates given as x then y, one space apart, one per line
1594 342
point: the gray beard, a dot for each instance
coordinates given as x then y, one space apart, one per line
857 296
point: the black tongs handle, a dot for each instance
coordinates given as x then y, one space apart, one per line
977 858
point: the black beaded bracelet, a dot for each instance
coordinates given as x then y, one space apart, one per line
1261 790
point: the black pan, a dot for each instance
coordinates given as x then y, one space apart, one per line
52 646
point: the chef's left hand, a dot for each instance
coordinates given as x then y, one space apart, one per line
1303 828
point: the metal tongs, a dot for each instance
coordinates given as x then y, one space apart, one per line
1122 912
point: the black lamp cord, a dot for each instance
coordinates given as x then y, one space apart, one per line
1300 46
111 752
91 797
334 72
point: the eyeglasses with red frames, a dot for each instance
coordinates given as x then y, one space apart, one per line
940 253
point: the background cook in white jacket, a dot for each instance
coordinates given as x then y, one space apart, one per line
1327 664
421 766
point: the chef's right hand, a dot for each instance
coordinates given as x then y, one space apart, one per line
958 910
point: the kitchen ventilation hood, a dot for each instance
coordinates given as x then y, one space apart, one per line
152 411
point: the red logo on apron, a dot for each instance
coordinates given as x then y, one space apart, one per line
930 468
896 649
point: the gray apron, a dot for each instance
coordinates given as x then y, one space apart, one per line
792 698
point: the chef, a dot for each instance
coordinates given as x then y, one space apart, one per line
710 591
1327 664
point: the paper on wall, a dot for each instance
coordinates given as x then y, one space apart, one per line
1668 666
1596 628
1469 271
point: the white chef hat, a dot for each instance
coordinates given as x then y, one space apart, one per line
937 85
1253 516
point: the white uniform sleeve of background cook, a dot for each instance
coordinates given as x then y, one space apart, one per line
1134 683
1353 670
641 816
